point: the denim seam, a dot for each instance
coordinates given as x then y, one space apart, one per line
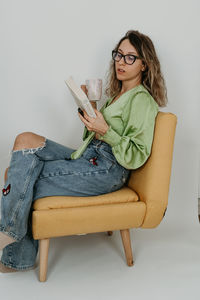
10 233
21 200
106 171
15 267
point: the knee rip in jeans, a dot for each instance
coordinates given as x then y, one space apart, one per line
31 150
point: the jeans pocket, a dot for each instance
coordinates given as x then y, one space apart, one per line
108 155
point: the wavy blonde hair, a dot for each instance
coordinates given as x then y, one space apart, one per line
152 78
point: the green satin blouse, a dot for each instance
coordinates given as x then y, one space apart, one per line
131 120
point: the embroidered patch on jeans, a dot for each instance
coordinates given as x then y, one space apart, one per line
6 191
93 161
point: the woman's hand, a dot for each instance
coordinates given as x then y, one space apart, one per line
97 124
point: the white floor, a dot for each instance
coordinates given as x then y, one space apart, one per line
167 266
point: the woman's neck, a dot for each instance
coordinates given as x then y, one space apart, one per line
128 85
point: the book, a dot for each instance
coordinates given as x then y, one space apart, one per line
80 97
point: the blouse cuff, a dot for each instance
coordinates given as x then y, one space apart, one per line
111 137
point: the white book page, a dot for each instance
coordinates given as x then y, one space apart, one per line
80 97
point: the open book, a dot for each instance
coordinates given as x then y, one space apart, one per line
80 97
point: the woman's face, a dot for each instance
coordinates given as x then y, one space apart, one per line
125 72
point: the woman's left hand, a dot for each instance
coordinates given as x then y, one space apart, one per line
97 124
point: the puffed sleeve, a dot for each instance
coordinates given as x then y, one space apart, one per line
133 147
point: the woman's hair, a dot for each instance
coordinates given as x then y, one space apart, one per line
152 78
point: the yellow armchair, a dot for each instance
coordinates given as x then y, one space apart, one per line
141 203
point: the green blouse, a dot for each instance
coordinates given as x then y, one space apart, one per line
131 121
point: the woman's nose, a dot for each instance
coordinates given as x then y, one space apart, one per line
121 62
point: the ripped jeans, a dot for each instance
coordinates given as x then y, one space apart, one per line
50 171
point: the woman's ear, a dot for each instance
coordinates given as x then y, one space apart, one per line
143 67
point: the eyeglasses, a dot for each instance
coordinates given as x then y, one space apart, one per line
129 59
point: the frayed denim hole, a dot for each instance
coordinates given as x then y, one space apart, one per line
31 150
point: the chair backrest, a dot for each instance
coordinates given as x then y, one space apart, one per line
151 181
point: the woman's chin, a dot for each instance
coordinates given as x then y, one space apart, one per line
120 77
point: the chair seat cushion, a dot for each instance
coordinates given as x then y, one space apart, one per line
124 195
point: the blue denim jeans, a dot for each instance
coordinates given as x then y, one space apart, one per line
49 171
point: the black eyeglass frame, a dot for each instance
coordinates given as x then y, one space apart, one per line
124 57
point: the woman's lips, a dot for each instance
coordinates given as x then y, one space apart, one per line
120 71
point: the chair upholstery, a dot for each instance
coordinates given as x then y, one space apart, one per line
141 203
151 181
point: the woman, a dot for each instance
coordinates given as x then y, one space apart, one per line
117 140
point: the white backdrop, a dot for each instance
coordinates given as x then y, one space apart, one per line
45 41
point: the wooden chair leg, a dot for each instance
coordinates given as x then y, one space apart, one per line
125 234
44 248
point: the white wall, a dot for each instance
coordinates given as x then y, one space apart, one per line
45 41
